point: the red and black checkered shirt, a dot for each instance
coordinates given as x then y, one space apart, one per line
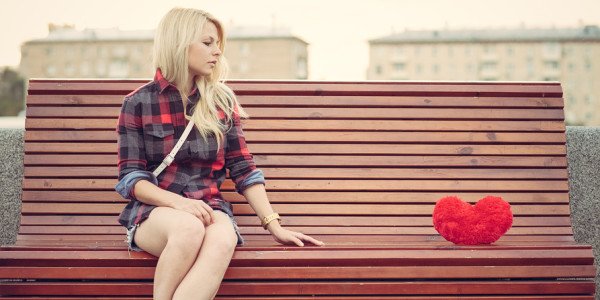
150 124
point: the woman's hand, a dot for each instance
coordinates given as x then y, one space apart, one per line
197 208
286 237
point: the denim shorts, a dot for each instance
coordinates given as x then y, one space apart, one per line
131 233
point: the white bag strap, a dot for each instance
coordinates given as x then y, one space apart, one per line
169 159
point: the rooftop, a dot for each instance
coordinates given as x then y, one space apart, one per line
67 33
584 33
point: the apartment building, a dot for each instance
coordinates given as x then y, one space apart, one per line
567 55
253 53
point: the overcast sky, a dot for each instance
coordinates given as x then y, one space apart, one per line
337 30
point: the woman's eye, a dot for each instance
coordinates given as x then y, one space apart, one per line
207 43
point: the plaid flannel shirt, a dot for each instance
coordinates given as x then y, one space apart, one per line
149 126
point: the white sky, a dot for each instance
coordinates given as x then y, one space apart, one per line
337 30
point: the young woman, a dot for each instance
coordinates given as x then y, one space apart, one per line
179 215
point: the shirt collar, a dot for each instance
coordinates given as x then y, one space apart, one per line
164 84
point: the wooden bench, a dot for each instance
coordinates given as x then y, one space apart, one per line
359 165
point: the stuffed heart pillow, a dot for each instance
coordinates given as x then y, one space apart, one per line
462 223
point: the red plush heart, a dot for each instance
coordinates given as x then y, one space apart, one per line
462 223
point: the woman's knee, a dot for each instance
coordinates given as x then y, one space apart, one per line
222 237
188 234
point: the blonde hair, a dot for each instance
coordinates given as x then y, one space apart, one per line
177 30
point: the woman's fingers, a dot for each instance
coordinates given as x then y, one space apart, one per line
210 211
297 241
309 239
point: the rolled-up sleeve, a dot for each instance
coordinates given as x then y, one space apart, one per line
131 154
238 159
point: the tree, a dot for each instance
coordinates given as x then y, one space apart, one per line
12 92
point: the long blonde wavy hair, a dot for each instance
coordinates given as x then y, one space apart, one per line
177 30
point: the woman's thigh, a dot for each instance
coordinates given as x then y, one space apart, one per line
165 223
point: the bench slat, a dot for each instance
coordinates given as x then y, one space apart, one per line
293 209
387 297
321 288
374 88
355 125
334 113
474 161
322 137
527 221
348 185
333 173
245 273
317 256
310 230
336 149
303 196
99 240
321 101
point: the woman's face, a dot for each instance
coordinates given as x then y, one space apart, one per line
204 53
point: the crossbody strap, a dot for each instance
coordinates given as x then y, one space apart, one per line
169 159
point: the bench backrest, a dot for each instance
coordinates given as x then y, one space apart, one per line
345 161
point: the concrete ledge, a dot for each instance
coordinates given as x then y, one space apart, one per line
11 149
583 151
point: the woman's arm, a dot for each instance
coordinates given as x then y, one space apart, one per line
257 197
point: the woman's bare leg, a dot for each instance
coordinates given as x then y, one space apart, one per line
204 278
175 237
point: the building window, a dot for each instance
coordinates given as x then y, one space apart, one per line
434 51
118 68
419 68
399 67
552 65
101 69
417 50
85 69
243 67
588 64
510 51
378 70
244 49
101 50
49 51
399 51
530 68
50 70
69 69
571 67
119 51
301 69
436 68
551 49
